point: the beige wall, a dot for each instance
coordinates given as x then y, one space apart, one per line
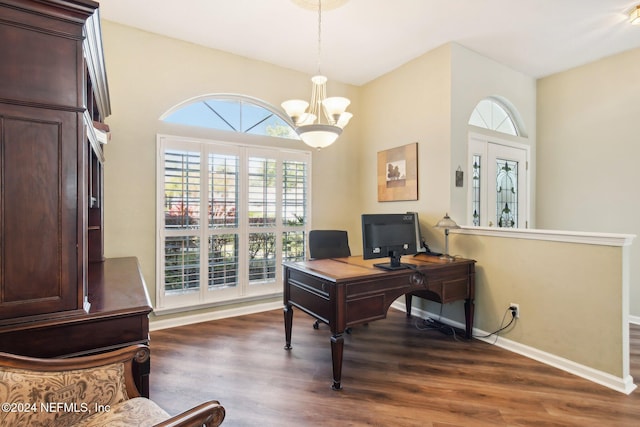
570 296
588 151
148 74
410 104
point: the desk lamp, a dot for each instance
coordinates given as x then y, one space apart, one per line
446 224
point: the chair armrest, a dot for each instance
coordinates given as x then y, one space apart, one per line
208 414
128 356
86 383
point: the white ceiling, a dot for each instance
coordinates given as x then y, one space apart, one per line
366 38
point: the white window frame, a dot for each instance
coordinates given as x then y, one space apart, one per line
243 291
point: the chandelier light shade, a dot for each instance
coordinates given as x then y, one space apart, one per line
446 224
634 15
319 122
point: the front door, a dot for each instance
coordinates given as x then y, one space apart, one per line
498 184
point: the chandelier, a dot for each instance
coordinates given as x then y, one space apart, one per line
320 122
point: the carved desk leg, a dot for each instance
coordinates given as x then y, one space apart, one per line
407 303
468 317
337 348
468 303
288 322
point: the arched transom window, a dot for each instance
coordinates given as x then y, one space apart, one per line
491 114
234 113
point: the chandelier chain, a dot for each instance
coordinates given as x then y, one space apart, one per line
319 33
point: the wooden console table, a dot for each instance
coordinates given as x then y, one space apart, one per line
345 292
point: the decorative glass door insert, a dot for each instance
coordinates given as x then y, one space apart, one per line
507 193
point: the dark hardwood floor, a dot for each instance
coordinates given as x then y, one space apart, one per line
393 375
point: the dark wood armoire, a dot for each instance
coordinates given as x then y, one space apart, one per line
59 297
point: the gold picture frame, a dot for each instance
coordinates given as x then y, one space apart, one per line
398 173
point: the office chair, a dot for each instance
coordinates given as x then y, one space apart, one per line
328 244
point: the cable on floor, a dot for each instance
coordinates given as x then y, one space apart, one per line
501 328
432 324
435 325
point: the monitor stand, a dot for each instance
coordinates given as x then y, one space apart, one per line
393 264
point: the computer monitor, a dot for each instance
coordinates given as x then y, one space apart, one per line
420 243
389 235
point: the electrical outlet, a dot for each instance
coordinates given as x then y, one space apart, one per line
515 308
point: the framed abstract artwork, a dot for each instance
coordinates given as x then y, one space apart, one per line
398 173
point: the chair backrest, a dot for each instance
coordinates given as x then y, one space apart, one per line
328 244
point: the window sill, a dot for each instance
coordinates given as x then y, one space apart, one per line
187 315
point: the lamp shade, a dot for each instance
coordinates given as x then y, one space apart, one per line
446 223
344 119
295 108
335 106
319 135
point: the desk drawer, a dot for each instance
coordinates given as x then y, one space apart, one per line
369 300
309 294
445 286
313 284
452 272
366 309
453 290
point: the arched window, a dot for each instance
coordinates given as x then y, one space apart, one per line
229 213
493 115
234 113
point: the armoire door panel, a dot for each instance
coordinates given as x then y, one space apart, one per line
35 65
38 260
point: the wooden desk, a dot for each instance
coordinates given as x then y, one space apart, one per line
345 292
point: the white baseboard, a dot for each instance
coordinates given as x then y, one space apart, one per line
623 385
634 319
158 324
